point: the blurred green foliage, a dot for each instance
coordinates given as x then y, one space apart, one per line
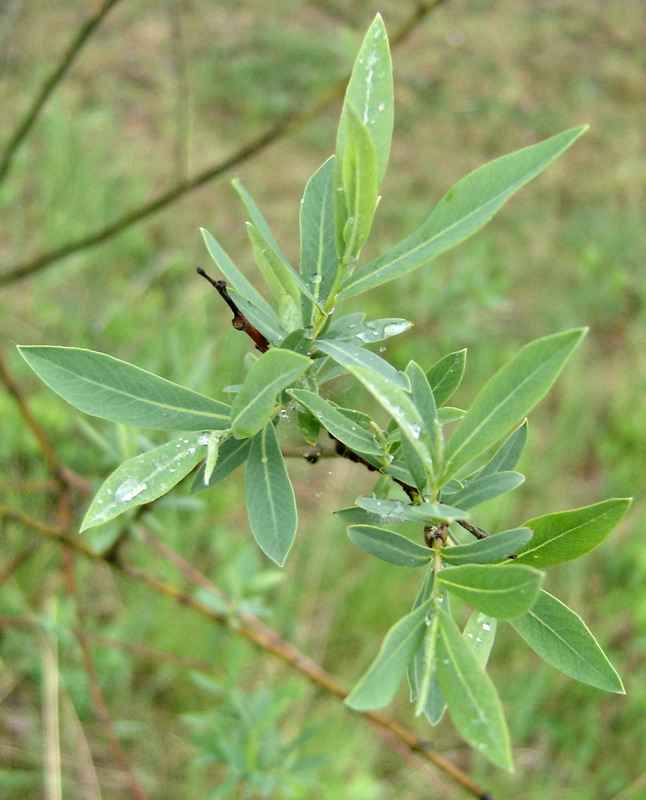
161 91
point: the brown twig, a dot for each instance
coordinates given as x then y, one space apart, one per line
239 321
283 128
51 82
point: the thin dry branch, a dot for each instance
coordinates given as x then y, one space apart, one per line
51 82
182 188
263 637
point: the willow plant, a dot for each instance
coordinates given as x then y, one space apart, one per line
430 480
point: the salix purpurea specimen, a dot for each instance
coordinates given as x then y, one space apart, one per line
430 482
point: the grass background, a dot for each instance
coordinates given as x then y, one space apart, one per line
163 90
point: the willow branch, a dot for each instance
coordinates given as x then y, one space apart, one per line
51 82
182 188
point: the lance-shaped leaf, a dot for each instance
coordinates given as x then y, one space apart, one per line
463 210
106 387
479 633
370 93
319 259
472 699
254 404
445 376
394 511
399 405
235 277
508 396
340 426
503 591
356 186
508 455
257 218
349 355
269 496
379 684
561 638
144 478
375 330
494 548
569 534
424 401
280 277
232 453
389 546
486 488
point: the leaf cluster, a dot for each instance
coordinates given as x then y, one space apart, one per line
440 455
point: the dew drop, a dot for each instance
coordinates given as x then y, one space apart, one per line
128 490
381 106
486 627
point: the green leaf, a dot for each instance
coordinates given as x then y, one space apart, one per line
472 699
269 497
342 428
375 330
486 488
356 186
502 591
349 355
463 210
370 93
392 512
255 403
235 277
120 392
389 546
424 402
144 478
498 547
319 258
379 684
257 219
280 276
399 405
508 455
509 395
561 638
446 375
570 534
232 453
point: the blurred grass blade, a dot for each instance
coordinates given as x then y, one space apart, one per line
566 535
561 638
502 591
106 387
378 685
463 210
508 396
144 478
472 699
340 426
254 404
389 546
269 497
498 547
